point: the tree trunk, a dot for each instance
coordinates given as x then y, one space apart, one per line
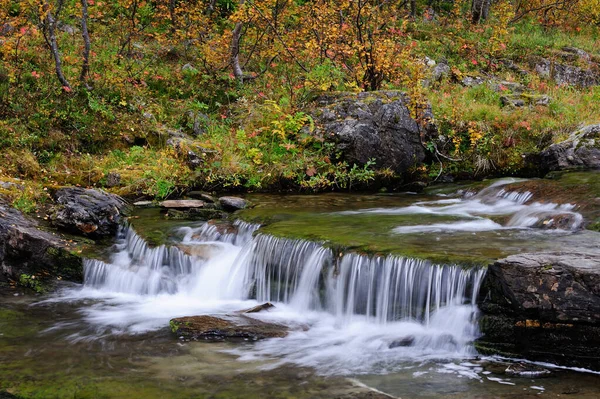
480 10
50 23
235 49
85 68
413 8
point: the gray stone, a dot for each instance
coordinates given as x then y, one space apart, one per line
113 179
371 126
580 150
182 204
88 212
472 81
25 249
512 102
232 204
143 204
440 71
564 74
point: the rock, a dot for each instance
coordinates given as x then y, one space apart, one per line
9 185
472 81
521 100
25 249
545 306
527 370
182 204
564 74
580 150
202 196
440 71
113 179
149 116
88 212
71 30
189 68
196 122
227 327
258 308
513 87
143 204
372 126
403 342
512 102
562 221
578 52
196 214
232 204
203 251
194 161
6 29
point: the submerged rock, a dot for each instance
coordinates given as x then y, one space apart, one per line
25 250
88 212
232 204
545 306
403 342
525 370
580 150
372 126
228 327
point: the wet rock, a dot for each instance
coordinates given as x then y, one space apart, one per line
25 249
371 126
203 251
227 327
525 370
259 308
196 214
562 221
88 212
545 306
182 204
232 204
403 342
580 150
143 204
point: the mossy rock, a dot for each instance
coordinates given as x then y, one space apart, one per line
232 327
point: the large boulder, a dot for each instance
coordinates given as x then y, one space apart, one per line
88 212
580 150
565 74
28 253
372 126
545 306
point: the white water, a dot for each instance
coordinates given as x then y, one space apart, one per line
485 210
349 313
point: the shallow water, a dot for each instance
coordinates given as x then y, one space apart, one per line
394 324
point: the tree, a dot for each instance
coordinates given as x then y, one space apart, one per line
85 68
480 10
49 19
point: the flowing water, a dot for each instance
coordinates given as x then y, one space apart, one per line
381 318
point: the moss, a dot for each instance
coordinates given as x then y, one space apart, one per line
33 283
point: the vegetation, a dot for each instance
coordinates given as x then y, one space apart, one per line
216 94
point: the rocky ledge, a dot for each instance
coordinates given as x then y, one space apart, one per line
543 306
236 326
33 257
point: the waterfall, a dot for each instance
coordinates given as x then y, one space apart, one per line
221 265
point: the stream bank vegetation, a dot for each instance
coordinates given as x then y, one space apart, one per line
150 98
